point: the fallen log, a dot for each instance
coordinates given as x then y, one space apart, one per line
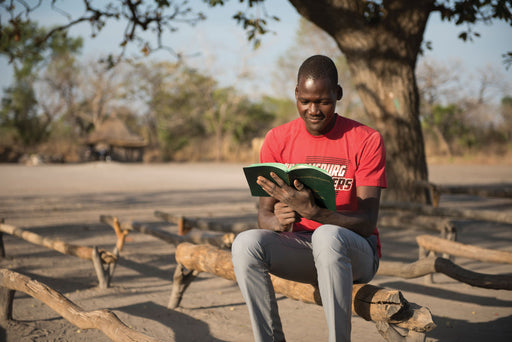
430 265
485 190
103 320
368 301
185 224
103 261
221 240
493 190
483 215
436 244
447 227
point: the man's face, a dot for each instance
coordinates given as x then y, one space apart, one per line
316 103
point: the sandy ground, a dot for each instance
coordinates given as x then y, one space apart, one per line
65 201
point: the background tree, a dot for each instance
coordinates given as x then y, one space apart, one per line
18 116
458 119
101 91
437 84
145 86
58 93
22 43
506 114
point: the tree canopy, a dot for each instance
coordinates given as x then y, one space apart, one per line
167 16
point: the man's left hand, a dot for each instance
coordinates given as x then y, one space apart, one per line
299 198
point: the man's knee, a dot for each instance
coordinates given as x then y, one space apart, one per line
247 246
328 234
330 242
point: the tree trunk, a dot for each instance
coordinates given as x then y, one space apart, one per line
381 52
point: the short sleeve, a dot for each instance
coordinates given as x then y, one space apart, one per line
371 162
268 152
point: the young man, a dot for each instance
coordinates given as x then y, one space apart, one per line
331 249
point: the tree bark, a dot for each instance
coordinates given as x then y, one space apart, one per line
104 320
381 52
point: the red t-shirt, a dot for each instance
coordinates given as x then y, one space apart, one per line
351 152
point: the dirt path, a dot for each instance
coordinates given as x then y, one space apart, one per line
65 201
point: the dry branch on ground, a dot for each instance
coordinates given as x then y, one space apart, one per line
104 320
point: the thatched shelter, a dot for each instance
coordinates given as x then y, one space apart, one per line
112 140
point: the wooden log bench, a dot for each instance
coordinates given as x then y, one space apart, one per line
447 227
396 318
435 191
444 220
104 262
459 213
185 224
103 320
218 239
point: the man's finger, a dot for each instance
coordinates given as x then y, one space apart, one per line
278 180
298 185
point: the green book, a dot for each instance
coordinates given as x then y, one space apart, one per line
315 178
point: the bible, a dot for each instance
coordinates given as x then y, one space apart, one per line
318 180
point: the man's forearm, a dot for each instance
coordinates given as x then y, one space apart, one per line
357 222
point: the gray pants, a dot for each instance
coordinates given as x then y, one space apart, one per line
332 257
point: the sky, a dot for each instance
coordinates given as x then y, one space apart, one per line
220 46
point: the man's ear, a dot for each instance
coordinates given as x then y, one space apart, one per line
296 91
339 92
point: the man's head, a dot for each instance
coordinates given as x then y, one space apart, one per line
317 92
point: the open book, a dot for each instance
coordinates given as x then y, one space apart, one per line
315 178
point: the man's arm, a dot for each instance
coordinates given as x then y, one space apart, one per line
363 221
300 200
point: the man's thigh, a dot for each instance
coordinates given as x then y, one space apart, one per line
289 255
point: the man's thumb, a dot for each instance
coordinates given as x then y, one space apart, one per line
298 185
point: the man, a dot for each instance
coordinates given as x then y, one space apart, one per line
324 247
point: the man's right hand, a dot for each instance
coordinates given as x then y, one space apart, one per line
286 216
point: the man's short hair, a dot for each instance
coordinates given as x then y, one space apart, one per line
318 67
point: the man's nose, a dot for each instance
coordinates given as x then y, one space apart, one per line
313 108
